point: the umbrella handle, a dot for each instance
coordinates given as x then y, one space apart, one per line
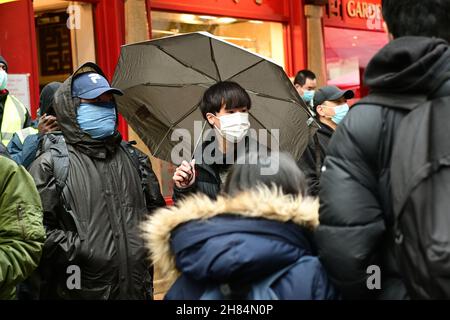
200 138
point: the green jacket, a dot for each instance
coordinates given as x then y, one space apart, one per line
22 232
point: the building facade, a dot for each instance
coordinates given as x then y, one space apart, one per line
48 39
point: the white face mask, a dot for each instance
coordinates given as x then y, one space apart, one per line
234 127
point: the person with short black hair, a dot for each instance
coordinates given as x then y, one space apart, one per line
225 107
357 204
306 83
255 239
417 18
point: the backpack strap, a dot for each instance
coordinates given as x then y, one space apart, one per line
133 155
60 156
57 147
135 159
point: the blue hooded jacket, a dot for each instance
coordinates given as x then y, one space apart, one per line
239 241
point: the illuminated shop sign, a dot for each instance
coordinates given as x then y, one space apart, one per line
357 14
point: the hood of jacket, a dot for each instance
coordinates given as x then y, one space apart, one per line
47 98
255 231
409 64
66 108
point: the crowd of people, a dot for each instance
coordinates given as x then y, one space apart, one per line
369 190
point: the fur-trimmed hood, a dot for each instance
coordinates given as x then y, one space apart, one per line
264 210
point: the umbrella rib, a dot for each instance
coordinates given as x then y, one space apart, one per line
279 99
260 123
213 57
264 95
174 124
184 64
244 70
176 85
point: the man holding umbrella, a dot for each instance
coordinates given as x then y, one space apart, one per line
174 85
225 106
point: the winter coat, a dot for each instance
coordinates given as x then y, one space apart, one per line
22 233
238 240
356 206
308 161
93 223
24 153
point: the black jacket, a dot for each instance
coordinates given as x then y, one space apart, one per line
311 162
97 226
356 208
212 168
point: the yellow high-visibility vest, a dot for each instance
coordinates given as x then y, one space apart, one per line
14 115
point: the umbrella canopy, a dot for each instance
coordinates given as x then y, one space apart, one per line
164 79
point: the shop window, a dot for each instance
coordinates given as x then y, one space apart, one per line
65 38
264 38
348 52
53 39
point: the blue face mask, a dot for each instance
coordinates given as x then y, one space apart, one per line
97 119
3 79
308 95
340 113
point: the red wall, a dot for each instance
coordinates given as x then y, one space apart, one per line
109 24
18 43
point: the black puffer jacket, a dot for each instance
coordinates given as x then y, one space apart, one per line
97 226
356 208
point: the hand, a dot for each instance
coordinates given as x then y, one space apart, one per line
184 175
47 124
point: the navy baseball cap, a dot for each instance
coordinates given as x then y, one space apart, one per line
330 93
90 85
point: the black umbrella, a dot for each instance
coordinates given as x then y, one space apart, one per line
164 80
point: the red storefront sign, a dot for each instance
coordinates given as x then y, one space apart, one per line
354 14
274 10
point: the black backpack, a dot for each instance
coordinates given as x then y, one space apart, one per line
420 189
55 143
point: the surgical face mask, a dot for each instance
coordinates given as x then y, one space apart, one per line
308 95
3 79
97 119
234 127
340 112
